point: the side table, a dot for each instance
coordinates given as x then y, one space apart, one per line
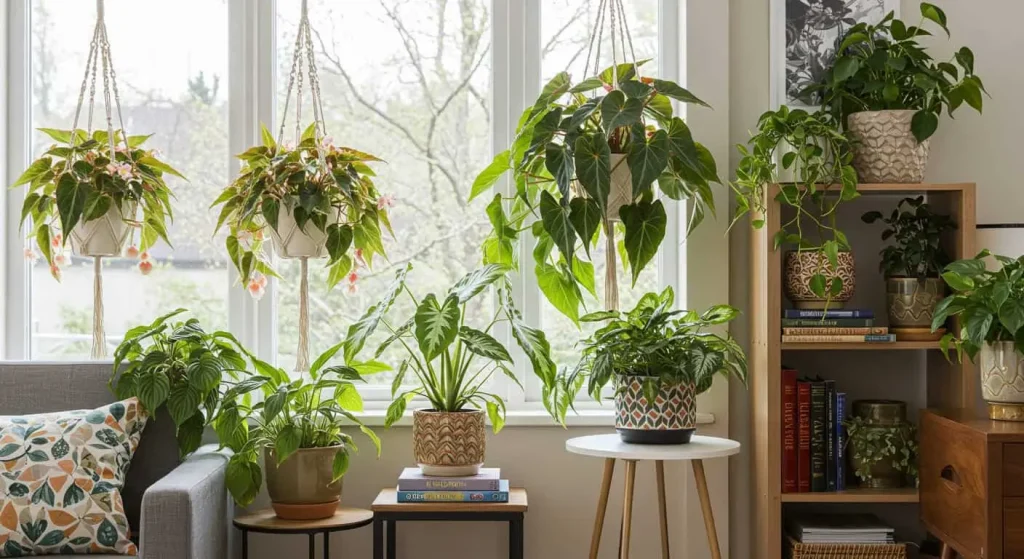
387 510
610 447
266 522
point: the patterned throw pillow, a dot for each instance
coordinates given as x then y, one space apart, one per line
61 476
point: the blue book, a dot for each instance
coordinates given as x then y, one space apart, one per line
829 314
500 496
840 442
412 479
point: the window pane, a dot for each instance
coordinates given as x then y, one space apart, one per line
565 30
408 81
178 93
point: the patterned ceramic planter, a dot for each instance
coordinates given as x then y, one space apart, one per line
449 443
884 148
800 267
1002 381
670 419
911 303
300 488
104 236
292 242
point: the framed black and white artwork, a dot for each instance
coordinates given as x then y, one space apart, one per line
803 38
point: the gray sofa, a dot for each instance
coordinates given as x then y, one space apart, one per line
178 509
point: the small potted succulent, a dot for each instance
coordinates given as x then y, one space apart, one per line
911 265
820 271
990 330
589 154
451 361
889 92
93 192
660 360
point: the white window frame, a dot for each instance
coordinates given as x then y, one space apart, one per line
697 56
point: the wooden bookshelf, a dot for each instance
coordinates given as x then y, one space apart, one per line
947 384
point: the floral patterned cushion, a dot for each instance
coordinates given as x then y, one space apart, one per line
60 480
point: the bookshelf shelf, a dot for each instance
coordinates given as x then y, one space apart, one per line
855 496
948 384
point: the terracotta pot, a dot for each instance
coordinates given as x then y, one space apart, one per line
292 242
911 303
801 266
449 443
670 419
884 148
880 415
300 488
1002 381
104 236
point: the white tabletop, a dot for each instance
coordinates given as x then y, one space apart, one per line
611 446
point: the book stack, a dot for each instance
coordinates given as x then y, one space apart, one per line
813 438
840 529
833 326
485 487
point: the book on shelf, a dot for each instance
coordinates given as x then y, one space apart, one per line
789 435
840 442
499 496
828 314
819 480
830 339
852 528
803 436
830 435
828 322
412 479
829 331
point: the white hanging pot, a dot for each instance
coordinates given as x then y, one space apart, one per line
104 236
621 192
292 242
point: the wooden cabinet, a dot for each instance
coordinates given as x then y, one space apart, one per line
972 483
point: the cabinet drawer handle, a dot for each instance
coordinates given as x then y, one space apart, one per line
950 474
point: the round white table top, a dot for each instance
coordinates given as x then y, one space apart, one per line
611 446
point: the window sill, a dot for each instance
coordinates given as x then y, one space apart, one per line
531 418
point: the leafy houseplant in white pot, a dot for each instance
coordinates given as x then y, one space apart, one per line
660 360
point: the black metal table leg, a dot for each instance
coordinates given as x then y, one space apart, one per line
392 539
245 544
312 545
378 537
515 537
327 545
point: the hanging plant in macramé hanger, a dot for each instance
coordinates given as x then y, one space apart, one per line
96 188
587 155
314 198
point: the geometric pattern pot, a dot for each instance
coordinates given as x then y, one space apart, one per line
292 242
800 266
103 236
1002 380
884 148
671 418
449 444
300 488
912 302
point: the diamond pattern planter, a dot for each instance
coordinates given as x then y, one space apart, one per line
884 148
670 419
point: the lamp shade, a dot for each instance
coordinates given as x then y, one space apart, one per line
1006 239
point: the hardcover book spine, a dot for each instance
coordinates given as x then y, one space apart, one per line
829 314
452 496
828 323
830 435
789 459
876 330
453 484
819 481
803 442
840 441
872 338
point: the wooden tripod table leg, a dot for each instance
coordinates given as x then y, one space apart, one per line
705 508
602 506
627 508
947 552
659 467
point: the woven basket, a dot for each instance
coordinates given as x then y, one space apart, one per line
797 550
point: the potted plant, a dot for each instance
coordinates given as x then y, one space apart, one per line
660 360
450 362
92 191
588 154
179 367
313 198
990 308
809 149
297 430
889 92
911 265
882 444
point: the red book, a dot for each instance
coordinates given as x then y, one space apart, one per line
803 437
789 431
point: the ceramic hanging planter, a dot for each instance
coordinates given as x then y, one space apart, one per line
292 241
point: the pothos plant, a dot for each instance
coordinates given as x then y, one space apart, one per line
810 148
78 180
916 233
870 445
320 185
884 67
562 166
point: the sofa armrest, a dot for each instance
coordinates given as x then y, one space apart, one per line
187 514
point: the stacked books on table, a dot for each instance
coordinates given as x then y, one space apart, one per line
485 487
813 438
840 529
833 326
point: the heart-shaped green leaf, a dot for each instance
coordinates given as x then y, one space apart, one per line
645 224
647 158
556 222
593 167
618 110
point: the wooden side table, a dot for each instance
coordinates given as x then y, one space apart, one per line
266 522
610 447
387 510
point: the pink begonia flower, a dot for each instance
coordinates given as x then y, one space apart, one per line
386 201
327 143
256 290
145 267
125 171
258 235
144 256
352 288
56 240
360 261
55 272
288 146
31 256
111 168
132 252
60 260
90 156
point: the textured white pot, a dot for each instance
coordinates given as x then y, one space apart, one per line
884 148
1002 373
292 242
104 236
621 193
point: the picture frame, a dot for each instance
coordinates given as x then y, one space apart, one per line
803 37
